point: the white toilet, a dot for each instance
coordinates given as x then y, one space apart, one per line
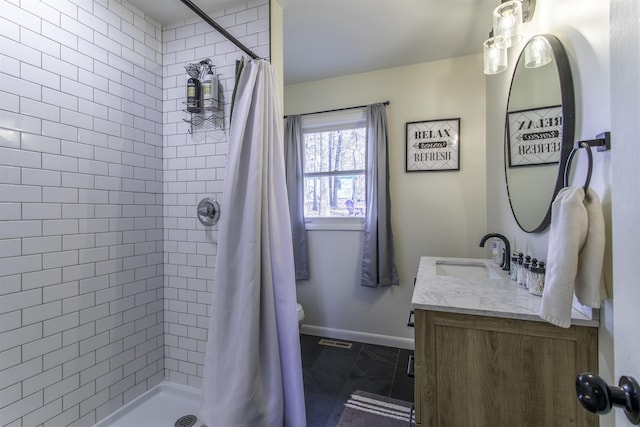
300 315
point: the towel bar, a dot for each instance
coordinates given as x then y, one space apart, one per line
567 168
602 141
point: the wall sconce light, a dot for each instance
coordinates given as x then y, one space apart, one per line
508 18
507 22
495 55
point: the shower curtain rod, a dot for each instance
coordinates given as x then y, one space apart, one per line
219 28
334 110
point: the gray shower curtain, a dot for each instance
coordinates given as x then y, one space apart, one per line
293 146
378 253
253 370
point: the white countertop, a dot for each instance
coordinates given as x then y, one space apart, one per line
496 297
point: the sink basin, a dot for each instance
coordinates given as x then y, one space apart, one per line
476 270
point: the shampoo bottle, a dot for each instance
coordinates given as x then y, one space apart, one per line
210 90
194 89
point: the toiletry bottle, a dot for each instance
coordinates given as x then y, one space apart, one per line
495 252
525 270
194 89
513 267
210 89
521 272
527 279
536 285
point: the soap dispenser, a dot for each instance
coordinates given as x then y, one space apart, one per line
495 252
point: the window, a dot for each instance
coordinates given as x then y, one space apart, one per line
334 163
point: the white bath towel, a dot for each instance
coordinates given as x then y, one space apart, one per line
589 280
567 234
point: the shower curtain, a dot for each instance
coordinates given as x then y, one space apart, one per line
253 370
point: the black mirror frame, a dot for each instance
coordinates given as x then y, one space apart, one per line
568 124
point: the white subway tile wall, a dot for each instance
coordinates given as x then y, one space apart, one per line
105 271
81 236
194 168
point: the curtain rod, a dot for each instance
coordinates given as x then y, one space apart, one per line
219 28
335 109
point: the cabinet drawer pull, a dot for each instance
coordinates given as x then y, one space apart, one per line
410 320
410 370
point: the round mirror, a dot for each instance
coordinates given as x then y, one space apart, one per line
539 130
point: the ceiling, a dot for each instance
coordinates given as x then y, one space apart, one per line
329 38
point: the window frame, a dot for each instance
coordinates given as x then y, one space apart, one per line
330 122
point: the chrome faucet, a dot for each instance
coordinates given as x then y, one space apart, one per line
506 252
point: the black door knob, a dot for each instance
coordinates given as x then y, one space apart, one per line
598 397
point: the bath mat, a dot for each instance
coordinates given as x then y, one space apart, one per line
371 410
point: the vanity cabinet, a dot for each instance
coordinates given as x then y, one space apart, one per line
473 370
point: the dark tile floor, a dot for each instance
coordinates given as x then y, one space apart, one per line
331 374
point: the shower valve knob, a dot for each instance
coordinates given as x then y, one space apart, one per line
598 397
208 211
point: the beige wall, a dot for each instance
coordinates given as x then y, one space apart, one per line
433 213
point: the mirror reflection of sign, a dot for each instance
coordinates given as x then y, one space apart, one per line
432 145
535 136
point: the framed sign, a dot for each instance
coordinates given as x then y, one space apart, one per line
535 136
433 145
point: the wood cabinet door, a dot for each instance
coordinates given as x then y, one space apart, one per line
485 371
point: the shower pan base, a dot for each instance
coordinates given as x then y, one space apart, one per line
159 407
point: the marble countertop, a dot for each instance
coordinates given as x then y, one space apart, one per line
495 296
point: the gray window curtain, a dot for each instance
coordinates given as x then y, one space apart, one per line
378 253
293 145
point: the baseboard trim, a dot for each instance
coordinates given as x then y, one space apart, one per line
365 337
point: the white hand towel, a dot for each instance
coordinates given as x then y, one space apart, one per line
589 281
568 231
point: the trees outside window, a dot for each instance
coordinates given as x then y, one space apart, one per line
334 172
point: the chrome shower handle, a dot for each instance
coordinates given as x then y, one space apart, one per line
208 211
205 211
